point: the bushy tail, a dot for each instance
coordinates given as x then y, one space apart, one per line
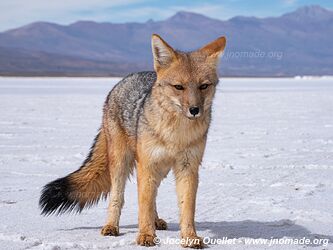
81 188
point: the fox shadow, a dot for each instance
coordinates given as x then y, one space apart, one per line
257 229
242 229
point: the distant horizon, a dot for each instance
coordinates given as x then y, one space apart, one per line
271 46
16 14
40 77
180 11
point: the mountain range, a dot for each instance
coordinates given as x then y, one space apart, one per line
296 43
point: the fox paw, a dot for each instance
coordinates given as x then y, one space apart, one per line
193 242
146 240
109 230
161 224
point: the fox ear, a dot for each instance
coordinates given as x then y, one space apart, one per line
163 53
215 48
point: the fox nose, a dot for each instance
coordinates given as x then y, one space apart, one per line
194 110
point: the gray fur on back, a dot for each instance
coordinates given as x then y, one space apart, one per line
126 100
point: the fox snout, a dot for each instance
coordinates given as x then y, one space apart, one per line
194 112
192 100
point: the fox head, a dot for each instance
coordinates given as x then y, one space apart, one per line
186 82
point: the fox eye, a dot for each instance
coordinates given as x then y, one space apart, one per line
203 86
179 87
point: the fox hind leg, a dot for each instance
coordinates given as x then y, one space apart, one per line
160 224
119 176
121 163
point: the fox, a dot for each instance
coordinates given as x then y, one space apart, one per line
153 122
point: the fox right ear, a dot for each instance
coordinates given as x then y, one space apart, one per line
163 53
215 48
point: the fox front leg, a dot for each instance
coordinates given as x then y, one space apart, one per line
147 191
187 177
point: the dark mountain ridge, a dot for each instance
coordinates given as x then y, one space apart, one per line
296 43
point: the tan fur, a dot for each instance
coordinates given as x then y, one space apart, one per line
92 180
177 142
173 141
121 163
167 136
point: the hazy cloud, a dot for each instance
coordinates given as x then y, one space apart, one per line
14 13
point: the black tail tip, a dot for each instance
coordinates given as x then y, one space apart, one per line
56 199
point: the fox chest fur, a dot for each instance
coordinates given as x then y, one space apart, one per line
168 138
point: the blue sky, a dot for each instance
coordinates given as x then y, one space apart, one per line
14 13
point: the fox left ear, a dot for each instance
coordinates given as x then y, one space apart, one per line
163 53
215 48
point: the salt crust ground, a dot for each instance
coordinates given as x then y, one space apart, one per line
267 172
